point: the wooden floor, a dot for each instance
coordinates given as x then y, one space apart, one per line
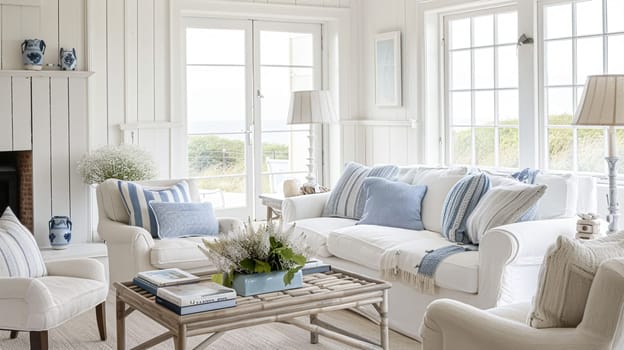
82 333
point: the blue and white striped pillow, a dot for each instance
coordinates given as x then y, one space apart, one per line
137 198
19 254
459 203
347 198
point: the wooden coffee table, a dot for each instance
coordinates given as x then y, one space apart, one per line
321 292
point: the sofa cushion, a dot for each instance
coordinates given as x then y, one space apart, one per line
183 253
67 297
459 203
560 198
439 183
566 277
317 230
113 206
136 198
347 198
174 220
392 203
19 253
366 244
500 206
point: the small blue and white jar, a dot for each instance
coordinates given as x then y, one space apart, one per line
68 59
32 53
60 231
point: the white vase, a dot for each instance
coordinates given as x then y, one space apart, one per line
291 187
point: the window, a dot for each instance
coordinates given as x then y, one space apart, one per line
482 88
580 38
575 38
239 75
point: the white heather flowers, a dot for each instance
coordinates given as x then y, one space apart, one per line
125 162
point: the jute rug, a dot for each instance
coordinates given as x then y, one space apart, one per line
81 333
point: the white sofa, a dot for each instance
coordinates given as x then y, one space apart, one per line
504 270
132 249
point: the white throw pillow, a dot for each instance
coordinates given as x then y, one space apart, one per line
566 277
439 182
20 256
560 198
502 205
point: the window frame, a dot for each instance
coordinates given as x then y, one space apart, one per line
446 89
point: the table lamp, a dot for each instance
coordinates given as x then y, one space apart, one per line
602 104
311 107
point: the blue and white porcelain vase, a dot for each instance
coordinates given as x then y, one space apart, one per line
68 59
32 53
60 231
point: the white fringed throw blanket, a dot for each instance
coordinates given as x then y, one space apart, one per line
402 264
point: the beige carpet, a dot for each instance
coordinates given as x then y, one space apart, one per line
81 333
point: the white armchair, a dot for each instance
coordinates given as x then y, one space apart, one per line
451 324
132 249
37 305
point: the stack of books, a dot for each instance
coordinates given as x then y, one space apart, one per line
182 293
315 266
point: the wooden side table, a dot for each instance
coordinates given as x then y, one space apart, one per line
273 202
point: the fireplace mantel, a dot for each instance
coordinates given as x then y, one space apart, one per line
51 108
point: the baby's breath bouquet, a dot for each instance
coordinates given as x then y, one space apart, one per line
125 162
248 250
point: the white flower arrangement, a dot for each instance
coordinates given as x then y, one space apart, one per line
248 250
125 162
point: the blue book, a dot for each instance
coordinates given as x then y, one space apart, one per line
152 288
187 310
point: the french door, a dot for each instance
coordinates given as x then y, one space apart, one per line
239 76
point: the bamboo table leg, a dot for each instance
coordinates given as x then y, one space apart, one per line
121 324
383 324
269 213
314 337
180 338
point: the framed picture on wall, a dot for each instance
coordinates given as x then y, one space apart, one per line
388 69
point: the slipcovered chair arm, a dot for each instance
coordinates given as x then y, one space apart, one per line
302 207
531 239
229 224
79 268
450 324
28 289
117 232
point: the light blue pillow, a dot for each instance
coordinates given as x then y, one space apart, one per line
347 198
394 204
175 220
136 199
459 203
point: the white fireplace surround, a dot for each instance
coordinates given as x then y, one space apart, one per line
46 112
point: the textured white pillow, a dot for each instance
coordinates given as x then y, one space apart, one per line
560 198
566 277
439 182
19 254
502 205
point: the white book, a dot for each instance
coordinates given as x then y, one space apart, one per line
196 293
167 277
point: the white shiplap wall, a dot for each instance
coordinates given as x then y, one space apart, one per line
129 49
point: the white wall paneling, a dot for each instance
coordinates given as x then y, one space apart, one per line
42 179
59 136
6 116
20 93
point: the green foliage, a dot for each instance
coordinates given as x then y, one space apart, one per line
251 251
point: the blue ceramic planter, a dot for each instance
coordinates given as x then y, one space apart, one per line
260 283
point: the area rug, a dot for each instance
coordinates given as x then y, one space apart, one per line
81 333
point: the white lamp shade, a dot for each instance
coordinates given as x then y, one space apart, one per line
311 107
602 102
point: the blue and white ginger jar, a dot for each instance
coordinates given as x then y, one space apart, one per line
32 53
60 231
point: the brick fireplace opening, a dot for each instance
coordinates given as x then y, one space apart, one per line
16 189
